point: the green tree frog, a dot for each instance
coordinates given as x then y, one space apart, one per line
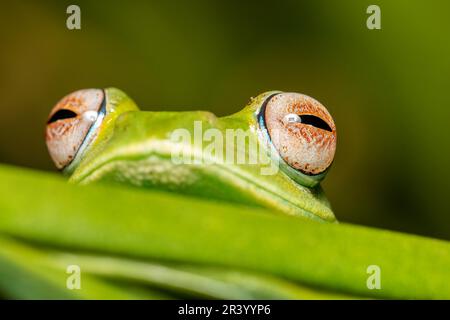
273 153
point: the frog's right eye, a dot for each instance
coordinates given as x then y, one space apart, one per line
73 123
302 132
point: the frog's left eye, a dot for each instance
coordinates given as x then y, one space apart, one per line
301 130
73 123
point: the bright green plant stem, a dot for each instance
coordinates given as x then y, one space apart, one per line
27 274
30 272
44 209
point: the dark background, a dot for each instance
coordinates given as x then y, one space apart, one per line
388 89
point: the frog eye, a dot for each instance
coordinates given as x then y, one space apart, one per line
301 130
73 123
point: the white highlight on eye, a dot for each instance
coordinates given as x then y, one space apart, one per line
90 115
292 118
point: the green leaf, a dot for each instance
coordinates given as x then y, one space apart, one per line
27 274
154 226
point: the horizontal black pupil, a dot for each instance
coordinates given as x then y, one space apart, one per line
315 122
62 114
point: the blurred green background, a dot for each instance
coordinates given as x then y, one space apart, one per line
387 89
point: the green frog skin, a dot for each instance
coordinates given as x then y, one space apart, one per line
96 135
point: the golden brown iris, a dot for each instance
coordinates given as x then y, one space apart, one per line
69 123
302 130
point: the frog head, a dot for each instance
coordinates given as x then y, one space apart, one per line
273 153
